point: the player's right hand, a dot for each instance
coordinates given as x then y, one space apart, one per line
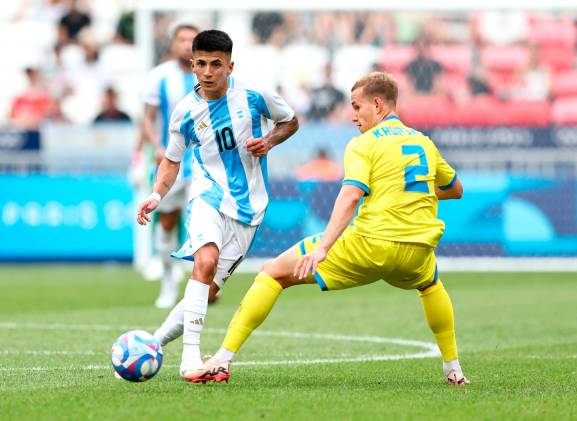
144 209
309 262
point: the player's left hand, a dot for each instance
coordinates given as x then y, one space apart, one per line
258 146
309 262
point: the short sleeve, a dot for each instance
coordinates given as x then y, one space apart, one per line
445 176
152 88
176 142
357 166
274 107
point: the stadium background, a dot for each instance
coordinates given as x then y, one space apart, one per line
68 189
500 103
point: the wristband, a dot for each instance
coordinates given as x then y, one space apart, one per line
155 196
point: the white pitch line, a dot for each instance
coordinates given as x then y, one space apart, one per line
359 359
550 357
430 349
46 352
325 336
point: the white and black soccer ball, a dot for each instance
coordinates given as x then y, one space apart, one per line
136 356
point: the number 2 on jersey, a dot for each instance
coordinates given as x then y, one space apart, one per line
225 139
412 171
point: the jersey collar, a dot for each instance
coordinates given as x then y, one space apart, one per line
230 82
391 117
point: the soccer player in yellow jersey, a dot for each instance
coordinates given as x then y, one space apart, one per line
395 176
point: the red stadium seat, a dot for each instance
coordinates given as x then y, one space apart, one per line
533 113
557 57
547 31
479 111
427 111
454 83
453 58
564 84
505 57
564 111
394 58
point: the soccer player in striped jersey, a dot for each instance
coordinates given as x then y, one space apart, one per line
394 178
166 84
224 123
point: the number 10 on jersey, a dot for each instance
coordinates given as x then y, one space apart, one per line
225 139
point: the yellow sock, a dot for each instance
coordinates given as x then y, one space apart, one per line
255 306
439 313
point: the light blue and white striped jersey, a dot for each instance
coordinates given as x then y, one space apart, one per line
167 84
226 175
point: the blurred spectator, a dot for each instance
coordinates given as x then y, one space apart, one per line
532 82
125 28
326 101
88 80
266 25
110 111
424 71
32 106
319 169
478 82
73 21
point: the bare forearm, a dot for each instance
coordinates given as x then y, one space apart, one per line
341 216
281 132
166 175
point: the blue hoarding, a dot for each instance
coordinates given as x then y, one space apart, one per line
92 218
65 218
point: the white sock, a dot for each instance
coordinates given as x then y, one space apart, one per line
171 328
195 304
452 365
224 354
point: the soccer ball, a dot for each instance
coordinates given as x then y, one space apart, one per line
136 356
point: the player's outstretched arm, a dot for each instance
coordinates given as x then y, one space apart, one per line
281 132
343 211
455 192
165 177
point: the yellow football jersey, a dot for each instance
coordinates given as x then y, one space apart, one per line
398 168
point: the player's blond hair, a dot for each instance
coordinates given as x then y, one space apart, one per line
379 84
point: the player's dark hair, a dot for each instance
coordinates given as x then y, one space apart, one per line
212 40
379 84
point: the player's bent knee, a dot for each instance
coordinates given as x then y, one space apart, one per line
268 267
205 266
279 272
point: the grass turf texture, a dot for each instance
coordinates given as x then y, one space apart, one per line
517 335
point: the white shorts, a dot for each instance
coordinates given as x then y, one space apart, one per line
175 199
205 224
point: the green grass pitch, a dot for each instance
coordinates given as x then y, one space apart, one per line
517 335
